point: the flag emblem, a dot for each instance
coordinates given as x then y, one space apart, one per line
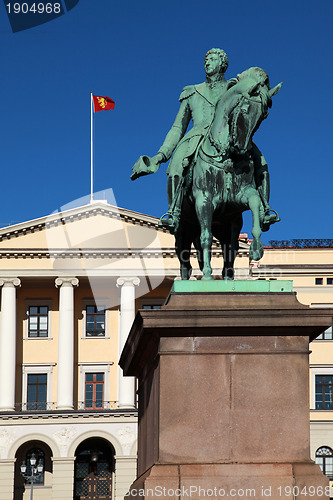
102 103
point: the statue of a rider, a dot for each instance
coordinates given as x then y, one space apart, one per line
197 103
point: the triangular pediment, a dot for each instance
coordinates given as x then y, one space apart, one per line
90 228
93 226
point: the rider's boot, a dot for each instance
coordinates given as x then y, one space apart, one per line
268 218
170 220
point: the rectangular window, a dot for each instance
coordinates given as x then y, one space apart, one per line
37 391
95 321
38 321
319 281
324 384
329 281
151 306
94 391
326 335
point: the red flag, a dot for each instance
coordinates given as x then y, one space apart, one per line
102 103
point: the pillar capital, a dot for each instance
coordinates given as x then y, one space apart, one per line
10 282
128 281
66 281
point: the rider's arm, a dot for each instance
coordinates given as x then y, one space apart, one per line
180 125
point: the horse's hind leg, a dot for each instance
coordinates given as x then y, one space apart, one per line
228 235
205 215
197 245
183 250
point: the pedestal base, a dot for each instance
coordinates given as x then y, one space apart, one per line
255 481
224 394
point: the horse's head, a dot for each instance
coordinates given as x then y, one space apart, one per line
251 96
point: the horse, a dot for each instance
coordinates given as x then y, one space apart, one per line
221 181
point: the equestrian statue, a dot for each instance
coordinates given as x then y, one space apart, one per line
216 171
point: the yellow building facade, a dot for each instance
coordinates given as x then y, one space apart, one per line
71 284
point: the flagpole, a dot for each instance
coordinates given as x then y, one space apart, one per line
91 149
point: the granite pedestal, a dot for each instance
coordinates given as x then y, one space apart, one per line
223 372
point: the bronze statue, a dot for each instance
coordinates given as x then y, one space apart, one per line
216 171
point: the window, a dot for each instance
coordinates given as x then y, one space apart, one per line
154 303
36 395
38 321
326 335
329 281
324 458
95 321
40 458
323 395
319 281
37 386
151 306
88 390
94 391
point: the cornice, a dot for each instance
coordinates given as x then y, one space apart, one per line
93 253
292 270
54 416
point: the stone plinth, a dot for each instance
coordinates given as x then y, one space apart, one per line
224 393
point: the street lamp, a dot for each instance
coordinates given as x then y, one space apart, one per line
36 472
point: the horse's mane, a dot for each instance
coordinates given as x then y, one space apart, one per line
255 73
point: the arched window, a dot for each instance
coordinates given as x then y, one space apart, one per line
40 457
324 458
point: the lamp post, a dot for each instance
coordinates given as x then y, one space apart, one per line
36 472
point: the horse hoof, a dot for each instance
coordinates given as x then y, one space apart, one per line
256 250
207 278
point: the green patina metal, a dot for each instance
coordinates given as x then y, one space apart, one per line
216 171
240 286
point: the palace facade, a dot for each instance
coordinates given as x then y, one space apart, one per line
71 284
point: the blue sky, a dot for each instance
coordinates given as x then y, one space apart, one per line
141 54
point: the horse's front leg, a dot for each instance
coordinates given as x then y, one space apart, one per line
256 248
204 209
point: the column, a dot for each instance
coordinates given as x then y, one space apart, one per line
8 343
126 385
63 478
7 467
66 342
125 474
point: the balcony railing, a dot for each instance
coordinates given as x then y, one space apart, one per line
91 406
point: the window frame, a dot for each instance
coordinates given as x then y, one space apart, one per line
38 404
98 303
95 368
318 370
94 395
37 369
324 385
38 303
